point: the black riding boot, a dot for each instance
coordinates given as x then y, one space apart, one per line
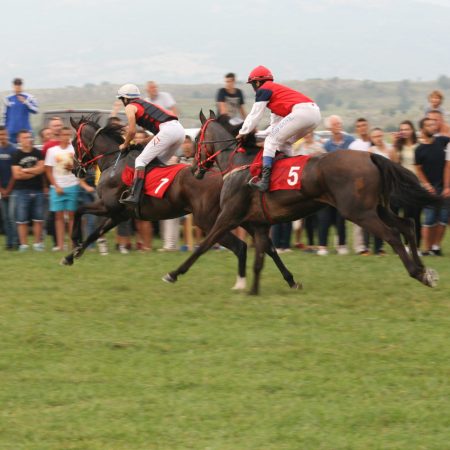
263 183
134 194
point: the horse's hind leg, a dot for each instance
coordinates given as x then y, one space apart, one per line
239 248
261 247
371 221
406 227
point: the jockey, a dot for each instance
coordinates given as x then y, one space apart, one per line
293 116
169 135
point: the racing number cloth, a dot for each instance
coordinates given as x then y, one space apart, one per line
286 172
156 181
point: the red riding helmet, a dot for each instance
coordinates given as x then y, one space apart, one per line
260 73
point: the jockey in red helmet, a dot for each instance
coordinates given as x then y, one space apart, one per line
293 116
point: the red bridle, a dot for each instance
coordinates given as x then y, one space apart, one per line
202 143
83 150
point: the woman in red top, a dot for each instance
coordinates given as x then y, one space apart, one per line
293 116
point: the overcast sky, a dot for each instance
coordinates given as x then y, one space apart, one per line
55 43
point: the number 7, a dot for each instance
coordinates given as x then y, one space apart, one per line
163 182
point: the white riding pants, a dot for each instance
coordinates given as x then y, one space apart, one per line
303 118
164 145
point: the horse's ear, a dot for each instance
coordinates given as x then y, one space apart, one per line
212 114
202 117
73 123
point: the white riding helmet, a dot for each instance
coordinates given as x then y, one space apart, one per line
128 91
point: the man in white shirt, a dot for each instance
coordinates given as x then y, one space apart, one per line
64 185
361 143
170 228
163 99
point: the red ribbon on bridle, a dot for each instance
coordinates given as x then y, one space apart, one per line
83 150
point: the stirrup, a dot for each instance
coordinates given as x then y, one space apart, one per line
125 193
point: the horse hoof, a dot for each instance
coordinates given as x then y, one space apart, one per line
430 277
241 284
298 286
66 261
169 278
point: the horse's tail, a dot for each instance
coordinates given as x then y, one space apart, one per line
401 185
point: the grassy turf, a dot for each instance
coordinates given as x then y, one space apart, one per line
103 355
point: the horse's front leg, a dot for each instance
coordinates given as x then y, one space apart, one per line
223 224
78 251
272 252
96 208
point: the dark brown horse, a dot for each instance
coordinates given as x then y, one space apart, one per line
186 195
359 184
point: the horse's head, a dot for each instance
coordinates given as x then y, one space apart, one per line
92 142
212 139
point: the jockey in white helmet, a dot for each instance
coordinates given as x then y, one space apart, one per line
169 135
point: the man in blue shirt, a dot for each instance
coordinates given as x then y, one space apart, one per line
339 140
6 186
18 107
329 215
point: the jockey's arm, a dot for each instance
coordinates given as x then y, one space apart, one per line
130 111
262 99
253 118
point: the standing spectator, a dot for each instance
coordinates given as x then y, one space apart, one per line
27 170
65 186
55 124
329 215
170 228
308 146
18 107
6 185
380 146
430 165
405 144
361 143
442 128
230 100
435 100
144 228
163 99
45 135
338 140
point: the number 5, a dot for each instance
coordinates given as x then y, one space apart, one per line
292 179
163 182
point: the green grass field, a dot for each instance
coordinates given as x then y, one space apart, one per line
103 355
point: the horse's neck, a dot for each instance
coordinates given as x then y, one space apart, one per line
230 158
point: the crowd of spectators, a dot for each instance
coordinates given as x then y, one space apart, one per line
39 194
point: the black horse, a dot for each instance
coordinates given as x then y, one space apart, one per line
186 194
359 184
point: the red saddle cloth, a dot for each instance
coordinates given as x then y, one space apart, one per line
286 172
156 181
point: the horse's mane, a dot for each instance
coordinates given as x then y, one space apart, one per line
250 142
111 129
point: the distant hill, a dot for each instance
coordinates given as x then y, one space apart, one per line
384 104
